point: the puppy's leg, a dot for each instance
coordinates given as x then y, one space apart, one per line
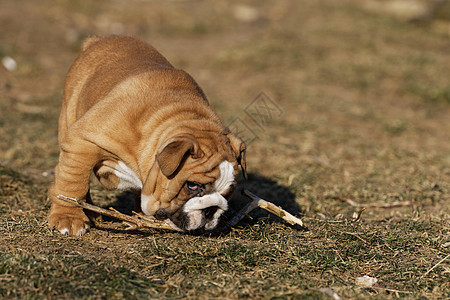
72 180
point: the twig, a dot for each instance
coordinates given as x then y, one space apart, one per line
433 267
355 235
138 221
261 203
242 213
357 215
390 290
134 222
373 205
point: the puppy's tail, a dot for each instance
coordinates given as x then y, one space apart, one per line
90 41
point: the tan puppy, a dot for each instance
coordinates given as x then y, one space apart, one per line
140 124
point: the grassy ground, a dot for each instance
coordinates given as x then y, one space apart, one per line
357 107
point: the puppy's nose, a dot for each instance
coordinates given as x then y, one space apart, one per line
209 212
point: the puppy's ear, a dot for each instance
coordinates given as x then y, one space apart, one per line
239 150
174 151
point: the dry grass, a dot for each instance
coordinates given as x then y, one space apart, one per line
361 98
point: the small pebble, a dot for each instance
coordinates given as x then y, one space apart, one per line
366 281
246 13
9 63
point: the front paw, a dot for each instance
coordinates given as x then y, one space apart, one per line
72 221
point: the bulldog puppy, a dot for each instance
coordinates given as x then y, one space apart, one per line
140 124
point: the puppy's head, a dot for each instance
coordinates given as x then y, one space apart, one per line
198 175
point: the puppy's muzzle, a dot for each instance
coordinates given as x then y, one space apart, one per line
197 213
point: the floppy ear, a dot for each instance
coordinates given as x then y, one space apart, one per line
174 151
239 150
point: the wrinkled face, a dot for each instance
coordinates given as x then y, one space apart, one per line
193 194
203 198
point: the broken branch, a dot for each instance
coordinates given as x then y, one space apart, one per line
138 221
266 205
134 222
433 267
373 205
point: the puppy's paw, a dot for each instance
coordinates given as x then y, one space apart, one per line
69 223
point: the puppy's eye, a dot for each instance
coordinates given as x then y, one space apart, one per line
192 186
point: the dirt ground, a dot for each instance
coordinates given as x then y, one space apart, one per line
343 104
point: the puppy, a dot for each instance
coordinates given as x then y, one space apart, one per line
140 124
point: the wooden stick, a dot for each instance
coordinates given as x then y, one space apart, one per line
373 205
433 267
138 221
357 215
270 207
134 222
242 213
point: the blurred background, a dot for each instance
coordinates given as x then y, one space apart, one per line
355 99
343 104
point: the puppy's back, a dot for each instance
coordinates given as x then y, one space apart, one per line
103 63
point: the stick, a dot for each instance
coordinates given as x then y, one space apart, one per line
390 290
242 213
357 215
355 235
134 222
373 205
261 203
432 268
138 221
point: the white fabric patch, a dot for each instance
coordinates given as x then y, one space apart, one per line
226 178
128 179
